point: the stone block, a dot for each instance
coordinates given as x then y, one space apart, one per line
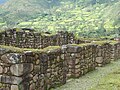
1 69
14 87
99 60
3 51
10 58
21 69
32 86
73 49
10 79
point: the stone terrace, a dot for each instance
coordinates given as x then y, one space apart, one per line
52 62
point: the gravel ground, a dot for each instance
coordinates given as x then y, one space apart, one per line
91 79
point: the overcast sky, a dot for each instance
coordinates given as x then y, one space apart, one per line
2 1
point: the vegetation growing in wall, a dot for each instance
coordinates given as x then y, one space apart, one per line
21 50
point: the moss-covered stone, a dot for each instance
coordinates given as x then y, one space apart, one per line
20 50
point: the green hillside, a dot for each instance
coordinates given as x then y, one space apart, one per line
91 18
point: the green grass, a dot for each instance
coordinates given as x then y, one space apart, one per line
81 45
21 50
96 43
52 48
105 41
109 82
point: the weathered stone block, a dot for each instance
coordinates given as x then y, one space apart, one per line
3 51
1 69
32 86
10 58
73 49
21 69
14 87
99 60
10 79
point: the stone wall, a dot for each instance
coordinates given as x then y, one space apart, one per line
31 70
80 60
42 69
116 51
103 54
30 39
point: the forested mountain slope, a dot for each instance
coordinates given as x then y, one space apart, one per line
84 17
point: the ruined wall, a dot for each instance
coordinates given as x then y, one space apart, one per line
53 66
104 53
116 51
80 60
27 39
31 70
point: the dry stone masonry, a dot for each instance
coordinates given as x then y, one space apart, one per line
30 39
43 69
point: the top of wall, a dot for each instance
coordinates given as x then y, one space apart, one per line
54 48
15 37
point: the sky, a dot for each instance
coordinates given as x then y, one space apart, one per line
2 1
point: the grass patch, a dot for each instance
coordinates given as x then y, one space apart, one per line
1 31
105 41
96 43
21 50
109 82
81 45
